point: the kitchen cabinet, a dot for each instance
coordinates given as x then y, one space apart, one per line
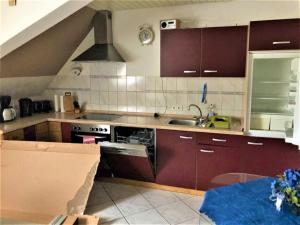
29 133
224 51
66 129
42 132
215 164
14 135
176 158
55 132
180 53
268 156
275 35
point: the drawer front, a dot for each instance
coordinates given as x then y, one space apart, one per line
261 143
219 139
15 135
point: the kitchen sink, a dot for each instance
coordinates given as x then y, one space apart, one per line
185 122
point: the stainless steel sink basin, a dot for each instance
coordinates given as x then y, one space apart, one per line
184 122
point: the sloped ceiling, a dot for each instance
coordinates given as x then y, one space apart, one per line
48 52
139 4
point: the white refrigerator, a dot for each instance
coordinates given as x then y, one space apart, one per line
273 95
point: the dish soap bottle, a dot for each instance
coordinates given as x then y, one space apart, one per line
211 110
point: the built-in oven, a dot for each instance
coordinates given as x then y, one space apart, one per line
125 152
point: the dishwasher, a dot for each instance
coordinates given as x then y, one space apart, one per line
132 154
126 152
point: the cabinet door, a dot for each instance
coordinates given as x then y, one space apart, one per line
216 166
269 157
66 129
15 135
176 158
42 132
224 51
275 34
55 131
29 133
180 53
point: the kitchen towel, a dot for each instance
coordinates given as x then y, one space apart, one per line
88 139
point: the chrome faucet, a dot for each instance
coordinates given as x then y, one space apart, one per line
200 112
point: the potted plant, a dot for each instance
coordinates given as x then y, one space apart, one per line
286 189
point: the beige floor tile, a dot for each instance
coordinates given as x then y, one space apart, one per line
119 191
194 202
106 211
196 221
157 197
98 196
132 205
147 217
182 196
177 212
116 222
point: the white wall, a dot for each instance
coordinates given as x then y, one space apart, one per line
29 18
145 60
143 90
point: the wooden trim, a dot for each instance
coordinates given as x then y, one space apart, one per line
152 185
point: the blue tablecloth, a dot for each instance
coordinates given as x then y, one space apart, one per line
245 204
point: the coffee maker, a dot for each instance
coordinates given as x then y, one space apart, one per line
7 113
26 107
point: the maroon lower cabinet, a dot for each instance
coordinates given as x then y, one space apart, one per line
130 167
66 129
224 51
176 158
275 34
29 133
217 166
268 156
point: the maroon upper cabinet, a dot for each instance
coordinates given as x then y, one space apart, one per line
275 34
176 158
180 53
224 51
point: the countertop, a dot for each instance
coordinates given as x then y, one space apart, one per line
127 119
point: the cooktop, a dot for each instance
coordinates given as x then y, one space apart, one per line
95 116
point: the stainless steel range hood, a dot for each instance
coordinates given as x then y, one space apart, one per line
103 49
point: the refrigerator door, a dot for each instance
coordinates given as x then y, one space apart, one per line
274 95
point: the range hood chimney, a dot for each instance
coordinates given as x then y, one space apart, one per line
103 49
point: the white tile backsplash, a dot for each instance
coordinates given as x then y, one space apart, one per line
102 87
122 84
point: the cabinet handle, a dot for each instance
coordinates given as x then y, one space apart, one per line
190 71
281 42
255 143
219 140
185 137
206 151
210 71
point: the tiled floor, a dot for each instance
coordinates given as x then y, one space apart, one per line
124 204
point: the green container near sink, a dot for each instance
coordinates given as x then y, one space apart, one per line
222 122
